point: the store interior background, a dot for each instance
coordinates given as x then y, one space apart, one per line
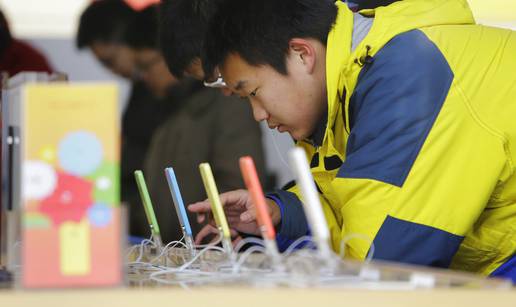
50 26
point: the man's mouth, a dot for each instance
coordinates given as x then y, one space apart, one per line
279 127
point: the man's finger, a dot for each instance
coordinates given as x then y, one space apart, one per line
204 232
201 218
200 207
236 241
236 197
233 220
233 233
215 239
248 216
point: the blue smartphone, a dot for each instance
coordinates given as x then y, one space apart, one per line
179 205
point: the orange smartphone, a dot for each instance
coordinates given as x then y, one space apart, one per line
255 189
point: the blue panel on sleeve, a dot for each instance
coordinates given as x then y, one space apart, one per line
507 270
393 108
403 241
293 220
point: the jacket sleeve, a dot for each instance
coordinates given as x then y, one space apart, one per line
294 224
415 178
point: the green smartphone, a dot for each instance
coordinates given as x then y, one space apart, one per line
147 206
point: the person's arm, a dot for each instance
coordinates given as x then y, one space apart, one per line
290 223
410 181
286 213
239 210
293 223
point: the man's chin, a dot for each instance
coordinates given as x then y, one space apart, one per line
296 136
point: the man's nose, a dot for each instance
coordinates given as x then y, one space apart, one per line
259 112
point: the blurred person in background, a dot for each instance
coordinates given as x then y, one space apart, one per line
184 24
204 127
103 29
17 56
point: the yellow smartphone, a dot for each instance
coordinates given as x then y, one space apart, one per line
213 196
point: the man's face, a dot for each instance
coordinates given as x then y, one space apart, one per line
152 69
117 58
292 103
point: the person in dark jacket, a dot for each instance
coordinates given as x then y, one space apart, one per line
103 29
17 56
205 126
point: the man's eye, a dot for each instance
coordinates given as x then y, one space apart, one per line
253 93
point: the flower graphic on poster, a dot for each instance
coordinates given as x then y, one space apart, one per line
106 190
69 201
48 154
36 220
80 153
39 180
100 215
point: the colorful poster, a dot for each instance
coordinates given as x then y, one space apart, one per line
70 185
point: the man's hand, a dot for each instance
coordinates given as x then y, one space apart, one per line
210 230
240 213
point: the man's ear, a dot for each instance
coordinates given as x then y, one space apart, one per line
305 51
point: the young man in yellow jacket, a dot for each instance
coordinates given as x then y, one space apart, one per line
405 112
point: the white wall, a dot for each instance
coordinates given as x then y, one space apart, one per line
43 18
277 146
79 65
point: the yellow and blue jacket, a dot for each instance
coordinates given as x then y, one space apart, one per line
418 147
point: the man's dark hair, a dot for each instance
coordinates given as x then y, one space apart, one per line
104 21
143 30
183 27
260 30
368 4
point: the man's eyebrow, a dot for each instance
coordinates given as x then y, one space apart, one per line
240 85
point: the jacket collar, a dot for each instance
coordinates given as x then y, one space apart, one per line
317 136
